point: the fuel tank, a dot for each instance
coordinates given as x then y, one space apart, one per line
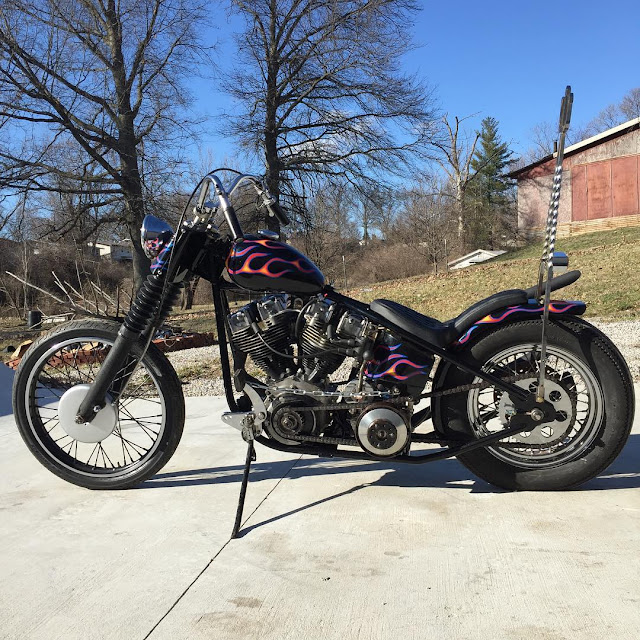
269 265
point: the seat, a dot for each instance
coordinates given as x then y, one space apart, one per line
501 300
439 333
428 329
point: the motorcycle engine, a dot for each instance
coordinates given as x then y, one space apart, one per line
264 330
324 323
301 398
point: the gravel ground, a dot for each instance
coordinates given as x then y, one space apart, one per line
626 336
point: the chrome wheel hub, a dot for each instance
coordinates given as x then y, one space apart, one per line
98 429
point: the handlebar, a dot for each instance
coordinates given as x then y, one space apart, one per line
274 209
212 180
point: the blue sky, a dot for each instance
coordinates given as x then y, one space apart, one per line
509 60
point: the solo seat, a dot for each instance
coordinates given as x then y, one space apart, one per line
442 334
439 333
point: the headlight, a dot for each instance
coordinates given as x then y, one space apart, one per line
155 234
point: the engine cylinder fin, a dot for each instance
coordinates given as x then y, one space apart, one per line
313 340
273 334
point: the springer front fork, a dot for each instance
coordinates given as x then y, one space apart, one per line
152 305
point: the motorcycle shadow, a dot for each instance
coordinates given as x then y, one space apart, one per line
624 473
441 473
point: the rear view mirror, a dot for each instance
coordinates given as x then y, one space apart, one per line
560 262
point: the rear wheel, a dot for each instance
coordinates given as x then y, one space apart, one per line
587 382
129 441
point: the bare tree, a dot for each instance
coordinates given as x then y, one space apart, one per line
321 93
90 88
329 230
425 223
455 151
377 208
630 104
544 136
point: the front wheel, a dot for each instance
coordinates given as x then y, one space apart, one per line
587 382
130 439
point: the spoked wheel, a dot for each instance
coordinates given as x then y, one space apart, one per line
128 441
570 386
588 384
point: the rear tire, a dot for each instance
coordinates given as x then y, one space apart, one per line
149 416
593 394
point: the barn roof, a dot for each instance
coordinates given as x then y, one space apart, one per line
605 136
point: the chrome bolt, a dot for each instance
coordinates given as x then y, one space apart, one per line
97 409
537 415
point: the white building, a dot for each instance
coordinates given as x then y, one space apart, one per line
479 255
117 251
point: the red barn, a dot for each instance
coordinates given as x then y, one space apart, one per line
600 184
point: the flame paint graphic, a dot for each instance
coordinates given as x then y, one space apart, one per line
384 356
252 252
554 307
267 244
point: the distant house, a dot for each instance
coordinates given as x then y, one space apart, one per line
600 184
479 255
116 251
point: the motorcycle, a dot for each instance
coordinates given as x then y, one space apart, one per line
522 390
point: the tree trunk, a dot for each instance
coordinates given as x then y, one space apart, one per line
273 174
365 225
188 294
131 184
135 215
272 161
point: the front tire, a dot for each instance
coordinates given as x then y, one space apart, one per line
588 382
146 422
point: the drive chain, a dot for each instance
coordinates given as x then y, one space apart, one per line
470 387
323 440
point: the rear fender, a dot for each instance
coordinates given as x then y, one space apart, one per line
511 314
490 323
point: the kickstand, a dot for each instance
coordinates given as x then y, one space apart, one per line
251 456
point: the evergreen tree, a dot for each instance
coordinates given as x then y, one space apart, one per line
490 202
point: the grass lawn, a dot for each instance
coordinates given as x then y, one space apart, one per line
610 282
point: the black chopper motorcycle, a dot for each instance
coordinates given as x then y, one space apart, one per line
525 393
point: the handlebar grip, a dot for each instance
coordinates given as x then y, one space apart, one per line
276 210
565 110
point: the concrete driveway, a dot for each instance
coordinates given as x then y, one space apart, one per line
331 550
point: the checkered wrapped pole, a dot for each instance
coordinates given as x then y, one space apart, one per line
546 262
